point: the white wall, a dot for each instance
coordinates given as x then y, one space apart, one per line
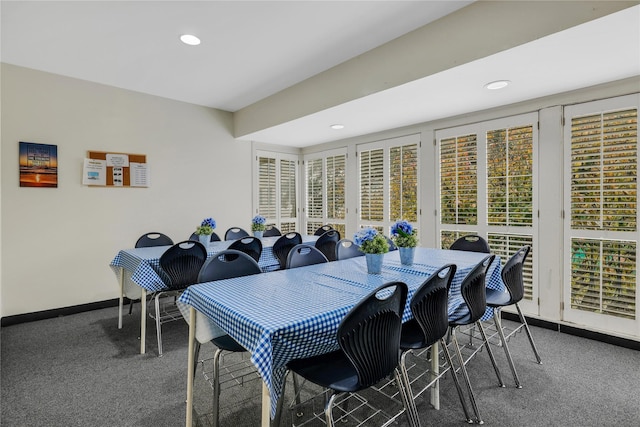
57 244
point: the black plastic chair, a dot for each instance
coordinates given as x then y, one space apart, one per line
474 297
327 242
496 299
214 237
235 233
369 340
346 249
283 245
323 229
250 245
471 243
301 255
428 326
271 231
148 240
181 264
224 265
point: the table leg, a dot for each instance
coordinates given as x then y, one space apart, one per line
190 365
121 302
143 320
266 406
435 370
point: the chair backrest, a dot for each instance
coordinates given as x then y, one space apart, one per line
235 233
346 248
153 239
182 263
471 243
512 274
326 244
473 289
251 246
283 245
214 237
392 246
227 264
301 255
370 333
321 230
429 304
271 231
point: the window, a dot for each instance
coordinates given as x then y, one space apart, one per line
277 192
325 191
601 198
388 172
487 188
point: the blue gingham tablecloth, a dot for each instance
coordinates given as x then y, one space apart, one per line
295 313
142 265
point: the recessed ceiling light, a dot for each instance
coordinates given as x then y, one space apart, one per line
498 84
190 39
337 126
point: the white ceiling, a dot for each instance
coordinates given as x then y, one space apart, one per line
253 49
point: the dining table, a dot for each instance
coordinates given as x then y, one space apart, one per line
138 272
295 313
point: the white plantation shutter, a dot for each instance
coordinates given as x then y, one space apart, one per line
458 180
403 181
388 173
510 176
277 189
505 245
602 235
325 190
288 205
315 190
267 187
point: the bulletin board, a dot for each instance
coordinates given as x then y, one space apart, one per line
109 169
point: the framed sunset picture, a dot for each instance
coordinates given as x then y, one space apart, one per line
38 165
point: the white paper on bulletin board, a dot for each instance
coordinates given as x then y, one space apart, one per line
118 160
139 174
94 172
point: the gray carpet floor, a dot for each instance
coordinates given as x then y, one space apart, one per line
81 370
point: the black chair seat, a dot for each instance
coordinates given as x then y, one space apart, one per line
498 298
331 370
412 336
227 343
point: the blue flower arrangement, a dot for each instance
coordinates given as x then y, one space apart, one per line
404 235
206 227
258 223
370 241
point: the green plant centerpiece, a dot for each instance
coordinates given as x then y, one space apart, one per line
404 235
374 245
206 227
258 223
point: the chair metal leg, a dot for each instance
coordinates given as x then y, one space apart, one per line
456 381
404 387
505 346
463 368
328 410
196 354
490 352
216 387
158 324
130 306
526 328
